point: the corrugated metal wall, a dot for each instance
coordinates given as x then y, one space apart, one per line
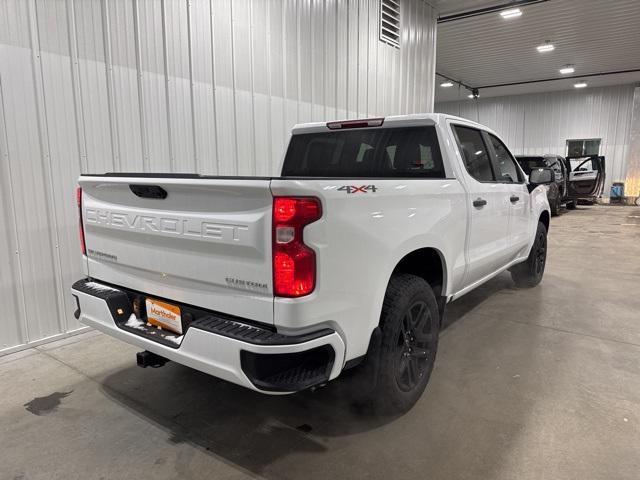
542 123
174 85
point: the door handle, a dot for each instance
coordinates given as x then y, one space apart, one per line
514 198
479 202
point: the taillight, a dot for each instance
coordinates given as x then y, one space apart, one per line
294 263
83 246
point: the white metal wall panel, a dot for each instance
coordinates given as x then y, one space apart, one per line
542 123
207 86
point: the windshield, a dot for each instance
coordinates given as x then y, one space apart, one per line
529 163
379 152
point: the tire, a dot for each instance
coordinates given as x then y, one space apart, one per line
555 207
529 273
409 327
571 205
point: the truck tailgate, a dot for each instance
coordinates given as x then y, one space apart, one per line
206 243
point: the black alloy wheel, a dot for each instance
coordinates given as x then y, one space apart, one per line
540 253
414 346
529 273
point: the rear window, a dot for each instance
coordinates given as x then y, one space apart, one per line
529 163
380 152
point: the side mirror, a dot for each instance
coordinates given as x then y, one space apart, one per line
541 176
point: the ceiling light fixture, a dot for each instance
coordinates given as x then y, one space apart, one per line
446 84
511 13
580 85
567 69
470 96
547 47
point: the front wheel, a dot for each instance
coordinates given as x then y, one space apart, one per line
529 273
409 327
555 206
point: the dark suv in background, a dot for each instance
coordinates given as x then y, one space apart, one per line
557 191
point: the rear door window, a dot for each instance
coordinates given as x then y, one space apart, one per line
379 152
474 153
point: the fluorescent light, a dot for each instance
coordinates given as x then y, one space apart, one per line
547 47
567 69
580 84
511 13
446 84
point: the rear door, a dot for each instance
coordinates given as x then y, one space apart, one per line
195 240
488 245
586 176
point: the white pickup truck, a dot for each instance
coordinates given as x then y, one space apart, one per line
280 284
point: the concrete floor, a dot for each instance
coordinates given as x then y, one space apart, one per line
528 384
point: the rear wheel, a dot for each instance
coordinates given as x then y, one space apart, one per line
529 273
409 327
571 205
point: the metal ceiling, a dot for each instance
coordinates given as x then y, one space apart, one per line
592 35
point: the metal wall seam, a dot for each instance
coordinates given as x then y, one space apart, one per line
45 154
269 92
233 86
192 85
167 80
113 115
13 241
212 42
254 139
283 32
140 72
75 85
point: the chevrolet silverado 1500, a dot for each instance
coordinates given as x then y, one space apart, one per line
279 284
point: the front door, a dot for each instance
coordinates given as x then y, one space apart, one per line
516 193
487 247
586 177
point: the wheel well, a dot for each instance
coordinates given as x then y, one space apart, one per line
426 263
544 218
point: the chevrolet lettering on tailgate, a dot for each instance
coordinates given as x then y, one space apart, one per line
178 226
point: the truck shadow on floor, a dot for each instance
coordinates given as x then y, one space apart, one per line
254 431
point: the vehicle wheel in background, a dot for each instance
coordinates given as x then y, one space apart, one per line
529 273
555 207
409 327
571 205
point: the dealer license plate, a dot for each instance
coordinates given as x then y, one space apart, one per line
164 315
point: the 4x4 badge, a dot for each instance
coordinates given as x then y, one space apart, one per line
356 189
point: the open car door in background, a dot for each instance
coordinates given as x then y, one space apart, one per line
586 177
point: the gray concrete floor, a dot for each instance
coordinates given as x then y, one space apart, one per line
528 384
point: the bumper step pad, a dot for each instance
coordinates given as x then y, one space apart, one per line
252 333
